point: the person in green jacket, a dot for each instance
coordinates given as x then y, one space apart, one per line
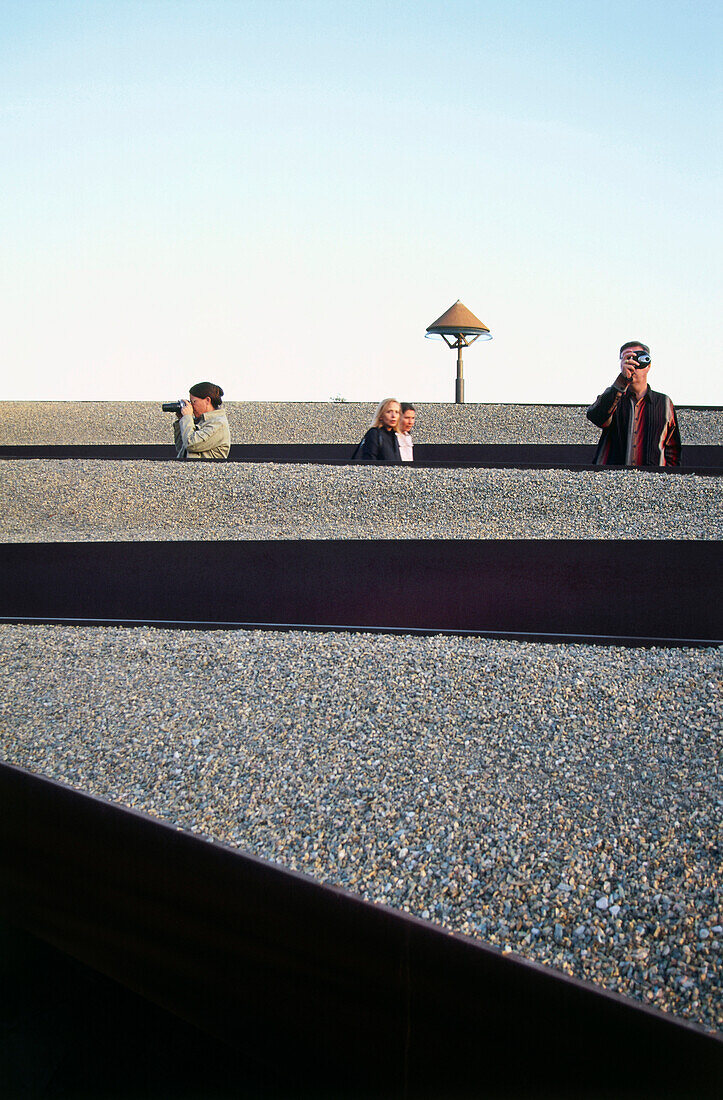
201 428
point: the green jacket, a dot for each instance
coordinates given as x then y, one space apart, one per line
208 437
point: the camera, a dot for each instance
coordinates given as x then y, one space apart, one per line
172 407
643 359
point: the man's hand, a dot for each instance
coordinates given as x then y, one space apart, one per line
627 365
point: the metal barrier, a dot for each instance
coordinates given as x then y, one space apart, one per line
545 589
695 459
354 999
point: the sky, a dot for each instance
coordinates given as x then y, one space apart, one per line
281 195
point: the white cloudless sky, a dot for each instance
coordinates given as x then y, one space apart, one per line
280 196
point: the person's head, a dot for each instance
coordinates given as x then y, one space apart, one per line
387 415
628 357
407 417
204 397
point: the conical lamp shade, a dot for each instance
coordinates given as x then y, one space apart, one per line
457 319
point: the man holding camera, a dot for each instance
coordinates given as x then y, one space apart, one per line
201 428
639 426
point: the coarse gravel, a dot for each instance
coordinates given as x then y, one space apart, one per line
70 500
561 802
135 422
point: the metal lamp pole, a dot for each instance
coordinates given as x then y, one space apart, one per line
459 328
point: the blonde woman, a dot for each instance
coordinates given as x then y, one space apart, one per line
380 444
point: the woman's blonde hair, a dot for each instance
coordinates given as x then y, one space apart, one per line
381 409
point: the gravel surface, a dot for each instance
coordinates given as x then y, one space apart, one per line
93 500
562 802
53 422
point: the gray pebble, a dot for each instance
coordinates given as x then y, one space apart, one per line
502 789
94 500
463 780
23 422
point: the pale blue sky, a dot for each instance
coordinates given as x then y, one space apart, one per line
280 195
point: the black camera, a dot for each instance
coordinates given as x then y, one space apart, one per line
172 407
642 358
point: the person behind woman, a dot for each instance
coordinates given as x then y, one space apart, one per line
406 422
380 443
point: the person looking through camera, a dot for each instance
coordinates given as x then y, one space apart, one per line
201 428
639 426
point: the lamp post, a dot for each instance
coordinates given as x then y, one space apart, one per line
458 328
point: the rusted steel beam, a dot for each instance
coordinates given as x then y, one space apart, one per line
566 589
517 456
356 998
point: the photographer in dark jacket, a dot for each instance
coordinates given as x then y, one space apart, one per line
639 426
380 444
